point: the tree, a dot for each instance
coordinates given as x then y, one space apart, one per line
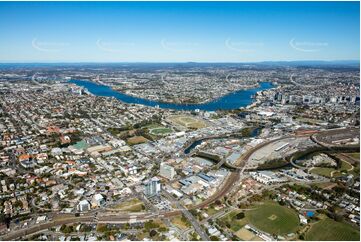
18 203
69 229
153 233
163 229
5 218
240 215
282 203
126 226
194 237
66 229
183 219
214 238
193 212
235 238
102 228
150 225
62 228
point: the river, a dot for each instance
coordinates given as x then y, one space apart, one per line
230 101
254 132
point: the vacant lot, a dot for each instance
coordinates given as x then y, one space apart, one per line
133 205
246 235
136 140
328 229
273 218
188 121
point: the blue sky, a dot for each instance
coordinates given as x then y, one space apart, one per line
178 31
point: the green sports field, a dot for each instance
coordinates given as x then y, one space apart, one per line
328 229
160 131
273 218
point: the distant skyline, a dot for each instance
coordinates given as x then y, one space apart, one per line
179 31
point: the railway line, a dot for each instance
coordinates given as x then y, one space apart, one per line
102 217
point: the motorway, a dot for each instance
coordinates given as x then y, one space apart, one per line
102 217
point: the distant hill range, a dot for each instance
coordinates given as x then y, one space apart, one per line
344 63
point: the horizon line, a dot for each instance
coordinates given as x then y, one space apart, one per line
169 62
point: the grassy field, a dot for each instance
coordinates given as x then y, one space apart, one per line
232 222
156 225
323 171
328 229
326 185
355 155
273 218
188 121
153 126
136 140
331 172
180 223
345 166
